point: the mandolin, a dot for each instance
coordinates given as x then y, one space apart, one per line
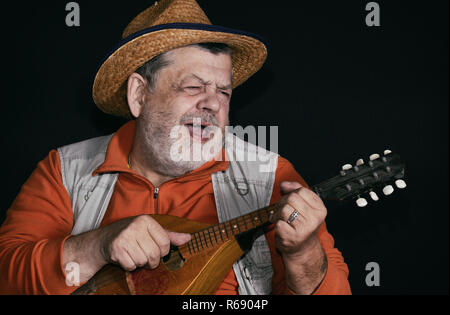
200 265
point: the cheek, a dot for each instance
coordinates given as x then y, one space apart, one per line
169 104
222 116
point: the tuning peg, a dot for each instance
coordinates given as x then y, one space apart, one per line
361 202
347 167
400 183
374 196
387 190
359 162
386 152
374 156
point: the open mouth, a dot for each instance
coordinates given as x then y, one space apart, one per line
201 132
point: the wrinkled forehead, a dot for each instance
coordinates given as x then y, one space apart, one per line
194 63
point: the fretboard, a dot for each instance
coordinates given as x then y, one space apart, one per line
222 232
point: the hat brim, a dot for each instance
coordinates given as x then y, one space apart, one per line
249 52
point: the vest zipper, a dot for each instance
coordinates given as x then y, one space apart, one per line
155 196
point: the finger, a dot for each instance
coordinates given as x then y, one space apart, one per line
178 239
287 187
297 203
126 262
284 230
151 251
136 253
295 222
311 198
160 237
292 222
283 215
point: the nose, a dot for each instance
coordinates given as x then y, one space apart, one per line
209 101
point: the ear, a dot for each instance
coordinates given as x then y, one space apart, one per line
136 94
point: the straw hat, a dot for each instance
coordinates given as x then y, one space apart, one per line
166 25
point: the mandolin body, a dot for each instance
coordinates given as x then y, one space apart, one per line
200 273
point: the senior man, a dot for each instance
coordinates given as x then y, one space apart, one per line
91 202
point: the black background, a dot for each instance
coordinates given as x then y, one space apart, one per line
337 89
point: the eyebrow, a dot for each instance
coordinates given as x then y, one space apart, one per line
220 87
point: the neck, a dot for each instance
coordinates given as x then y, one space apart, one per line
145 170
142 163
222 232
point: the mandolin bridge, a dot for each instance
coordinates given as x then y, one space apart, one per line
173 260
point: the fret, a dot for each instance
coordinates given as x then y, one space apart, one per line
271 212
215 236
245 223
252 220
189 247
195 239
209 234
265 214
198 240
223 228
236 226
260 217
229 226
256 219
183 251
232 226
218 230
228 229
206 238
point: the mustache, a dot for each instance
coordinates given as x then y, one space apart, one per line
204 118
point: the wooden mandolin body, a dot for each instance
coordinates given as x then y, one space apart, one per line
200 273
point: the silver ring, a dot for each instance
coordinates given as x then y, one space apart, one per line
293 216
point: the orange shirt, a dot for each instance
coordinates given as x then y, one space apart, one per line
41 219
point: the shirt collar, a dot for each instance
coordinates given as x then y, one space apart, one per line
119 148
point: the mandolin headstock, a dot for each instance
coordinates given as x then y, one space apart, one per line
365 179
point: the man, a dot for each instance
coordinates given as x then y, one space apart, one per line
90 202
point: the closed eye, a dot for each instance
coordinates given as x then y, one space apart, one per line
193 90
225 93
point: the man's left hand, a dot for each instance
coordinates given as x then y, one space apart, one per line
299 216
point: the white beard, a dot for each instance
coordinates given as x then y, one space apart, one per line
171 151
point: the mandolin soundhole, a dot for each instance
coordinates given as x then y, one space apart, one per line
173 260
148 282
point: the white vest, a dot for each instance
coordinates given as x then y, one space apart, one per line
245 186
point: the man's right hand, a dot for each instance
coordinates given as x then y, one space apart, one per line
138 242
132 242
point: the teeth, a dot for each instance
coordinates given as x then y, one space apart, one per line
400 183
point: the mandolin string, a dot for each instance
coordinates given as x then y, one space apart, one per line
243 223
235 226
